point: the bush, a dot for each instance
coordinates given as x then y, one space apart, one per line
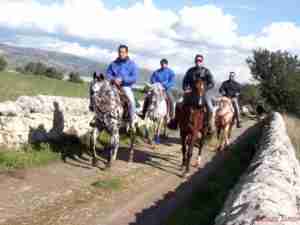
3 64
75 77
51 72
279 80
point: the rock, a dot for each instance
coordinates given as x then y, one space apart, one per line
271 187
40 118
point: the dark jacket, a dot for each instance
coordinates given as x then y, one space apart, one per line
196 72
230 88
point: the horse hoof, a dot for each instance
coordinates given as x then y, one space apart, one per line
94 163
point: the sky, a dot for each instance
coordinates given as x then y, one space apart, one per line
224 31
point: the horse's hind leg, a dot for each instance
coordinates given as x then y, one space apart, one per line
183 149
93 141
132 141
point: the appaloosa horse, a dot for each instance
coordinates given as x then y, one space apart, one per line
157 111
191 121
224 121
109 116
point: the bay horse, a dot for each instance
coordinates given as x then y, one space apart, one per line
224 121
191 120
109 116
157 111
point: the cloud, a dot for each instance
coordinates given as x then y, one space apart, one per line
90 29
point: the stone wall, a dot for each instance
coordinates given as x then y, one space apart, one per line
270 189
31 119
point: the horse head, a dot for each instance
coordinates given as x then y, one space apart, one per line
199 87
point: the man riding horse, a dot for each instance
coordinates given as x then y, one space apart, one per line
123 73
232 90
194 73
166 77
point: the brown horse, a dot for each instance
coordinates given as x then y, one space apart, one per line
224 121
191 121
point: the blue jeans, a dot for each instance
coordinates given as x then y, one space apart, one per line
129 93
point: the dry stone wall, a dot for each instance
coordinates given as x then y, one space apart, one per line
38 118
269 192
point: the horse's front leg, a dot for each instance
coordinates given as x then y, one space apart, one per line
183 149
114 143
190 154
201 144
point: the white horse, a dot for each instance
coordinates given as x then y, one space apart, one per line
157 111
109 116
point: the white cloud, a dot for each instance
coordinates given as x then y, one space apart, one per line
151 33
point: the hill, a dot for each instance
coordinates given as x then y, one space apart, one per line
19 56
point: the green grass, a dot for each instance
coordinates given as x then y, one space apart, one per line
13 85
29 157
293 128
204 205
112 184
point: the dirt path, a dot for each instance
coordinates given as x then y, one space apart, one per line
144 192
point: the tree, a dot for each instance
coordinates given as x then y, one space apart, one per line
277 75
52 72
3 63
75 77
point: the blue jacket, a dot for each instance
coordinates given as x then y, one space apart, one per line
164 76
123 69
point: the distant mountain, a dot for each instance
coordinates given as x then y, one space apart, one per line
19 56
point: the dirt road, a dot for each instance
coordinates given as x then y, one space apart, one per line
74 193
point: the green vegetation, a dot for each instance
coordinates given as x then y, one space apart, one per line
112 184
278 79
3 63
293 128
41 69
13 85
75 77
29 157
206 203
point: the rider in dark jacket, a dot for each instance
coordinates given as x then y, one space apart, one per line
232 89
193 74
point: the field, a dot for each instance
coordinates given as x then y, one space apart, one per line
293 128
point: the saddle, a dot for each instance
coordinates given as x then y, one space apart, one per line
125 103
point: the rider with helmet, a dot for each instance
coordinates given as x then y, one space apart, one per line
166 77
232 90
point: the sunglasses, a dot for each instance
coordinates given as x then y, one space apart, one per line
199 60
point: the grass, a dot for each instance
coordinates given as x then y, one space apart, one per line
205 204
293 128
112 184
29 157
13 85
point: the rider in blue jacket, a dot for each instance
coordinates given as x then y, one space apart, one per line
123 72
166 77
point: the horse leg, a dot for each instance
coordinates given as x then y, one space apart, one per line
201 144
189 155
114 143
132 141
93 141
222 137
183 149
